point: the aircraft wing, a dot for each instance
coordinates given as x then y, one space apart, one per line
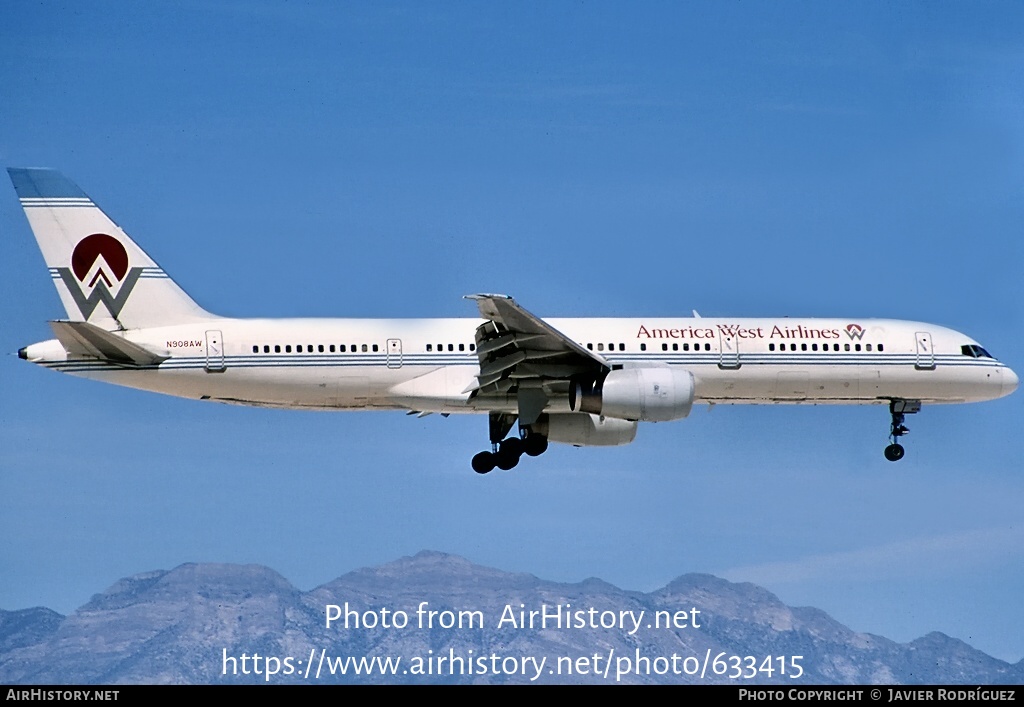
519 350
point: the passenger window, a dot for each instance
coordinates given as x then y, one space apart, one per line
375 348
664 347
600 347
472 347
332 348
867 347
622 347
814 347
462 347
320 348
707 347
255 349
857 347
364 348
288 348
451 347
430 347
771 347
643 347
675 347
846 347
880 347
277 348
266 349
792 347
341 348
590 347
803 347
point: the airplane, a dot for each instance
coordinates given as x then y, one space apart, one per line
583 382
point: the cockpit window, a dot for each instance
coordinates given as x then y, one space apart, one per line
975 351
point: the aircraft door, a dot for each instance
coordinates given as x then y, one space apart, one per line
394 353
729 348
214 351
925 352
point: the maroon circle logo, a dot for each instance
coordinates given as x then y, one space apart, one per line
91 248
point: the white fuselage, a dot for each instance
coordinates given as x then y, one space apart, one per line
572 381
428 364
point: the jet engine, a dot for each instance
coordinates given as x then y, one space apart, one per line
649 394
583 430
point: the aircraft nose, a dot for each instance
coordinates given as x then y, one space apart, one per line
1010 381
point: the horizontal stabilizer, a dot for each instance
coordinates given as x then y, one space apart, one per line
85 339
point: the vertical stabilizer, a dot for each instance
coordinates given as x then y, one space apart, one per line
102 276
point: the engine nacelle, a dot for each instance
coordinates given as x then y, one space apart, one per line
649 394
583 430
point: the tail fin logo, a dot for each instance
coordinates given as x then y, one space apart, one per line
99 272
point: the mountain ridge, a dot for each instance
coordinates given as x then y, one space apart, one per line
181 626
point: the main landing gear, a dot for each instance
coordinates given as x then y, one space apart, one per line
505 453
899 409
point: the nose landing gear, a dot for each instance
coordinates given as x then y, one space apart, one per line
894 452
899 409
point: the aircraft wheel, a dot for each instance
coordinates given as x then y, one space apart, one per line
513 447
506 461
535 445
483 462
894 452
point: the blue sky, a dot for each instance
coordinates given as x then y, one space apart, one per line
384 159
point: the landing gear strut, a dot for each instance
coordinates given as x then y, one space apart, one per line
899 409
505 452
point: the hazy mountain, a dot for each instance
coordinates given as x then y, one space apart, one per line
178 626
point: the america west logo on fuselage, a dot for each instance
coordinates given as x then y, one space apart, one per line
854 331
99 267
